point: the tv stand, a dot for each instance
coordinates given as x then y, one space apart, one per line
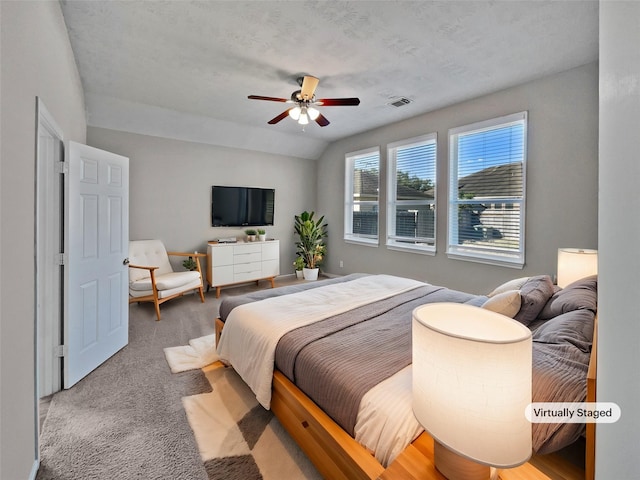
242 262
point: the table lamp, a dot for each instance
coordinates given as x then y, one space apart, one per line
471 385
576 263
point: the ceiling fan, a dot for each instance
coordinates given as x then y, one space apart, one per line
305 102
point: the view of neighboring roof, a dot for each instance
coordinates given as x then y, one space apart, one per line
497 181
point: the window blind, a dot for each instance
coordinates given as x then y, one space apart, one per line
412 182
487 190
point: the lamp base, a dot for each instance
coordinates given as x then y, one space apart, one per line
456 467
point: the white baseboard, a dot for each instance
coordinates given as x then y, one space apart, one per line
34 469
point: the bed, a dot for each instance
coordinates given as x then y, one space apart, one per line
306 351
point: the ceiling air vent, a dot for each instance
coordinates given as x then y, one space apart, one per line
399 102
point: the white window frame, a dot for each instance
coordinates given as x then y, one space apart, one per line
513 259
349 236
394 242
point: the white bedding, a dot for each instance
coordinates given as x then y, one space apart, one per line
385 424
252 331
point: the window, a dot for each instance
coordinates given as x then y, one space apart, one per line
362 181
487 191
411 206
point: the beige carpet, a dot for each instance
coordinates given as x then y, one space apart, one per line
237 438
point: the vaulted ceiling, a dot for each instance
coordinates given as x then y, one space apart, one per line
184 69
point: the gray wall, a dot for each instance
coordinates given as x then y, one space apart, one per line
619 236
170 188
562 182
36 61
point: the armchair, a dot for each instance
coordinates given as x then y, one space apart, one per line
151 277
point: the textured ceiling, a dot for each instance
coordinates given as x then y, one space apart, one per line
183 69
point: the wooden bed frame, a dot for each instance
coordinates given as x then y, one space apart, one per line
337 456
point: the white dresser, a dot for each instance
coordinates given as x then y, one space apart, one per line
242 262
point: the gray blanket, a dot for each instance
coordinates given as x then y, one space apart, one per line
337 360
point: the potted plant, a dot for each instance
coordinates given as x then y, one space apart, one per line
311 246
299 265
262 234
190 264
251 234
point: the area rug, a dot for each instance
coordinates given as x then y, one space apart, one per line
199 353
237 438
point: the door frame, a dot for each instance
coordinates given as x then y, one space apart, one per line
49 242
48 224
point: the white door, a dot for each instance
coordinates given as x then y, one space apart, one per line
96 320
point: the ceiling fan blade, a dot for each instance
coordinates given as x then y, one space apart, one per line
322 120
271 99
308 87
282 116
333 102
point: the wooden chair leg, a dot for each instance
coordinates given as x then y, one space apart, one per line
201 294
155 293
156 302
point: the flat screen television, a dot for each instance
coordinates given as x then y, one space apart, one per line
241 206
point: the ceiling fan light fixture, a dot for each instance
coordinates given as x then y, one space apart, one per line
295 113
304 101
304 116
313 113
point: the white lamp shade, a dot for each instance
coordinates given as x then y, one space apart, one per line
313 113
575 263
295 113
472 382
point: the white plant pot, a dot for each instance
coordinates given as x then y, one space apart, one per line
299 274
262 238
310 273
251 238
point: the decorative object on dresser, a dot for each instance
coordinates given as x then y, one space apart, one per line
151 277
471 386
240 262
576 263
262 234
310 244
251 234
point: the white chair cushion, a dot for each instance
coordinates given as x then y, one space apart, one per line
166 293
148 253
167 281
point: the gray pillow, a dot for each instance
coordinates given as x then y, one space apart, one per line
534 293
574 327
581 294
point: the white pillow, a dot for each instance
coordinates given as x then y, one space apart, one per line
515 284
507 303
